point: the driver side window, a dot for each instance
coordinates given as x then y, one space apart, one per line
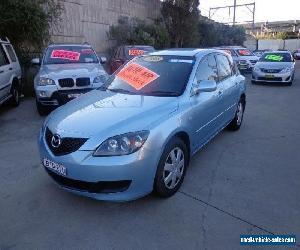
207 69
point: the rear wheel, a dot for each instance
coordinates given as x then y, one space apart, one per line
171 169
15 95
237 121
42 109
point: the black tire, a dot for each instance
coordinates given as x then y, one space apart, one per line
15 92
42 109
237 121
160 187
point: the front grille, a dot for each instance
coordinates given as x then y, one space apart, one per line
84 81
67 146
66 82
270 70
91 187
276 79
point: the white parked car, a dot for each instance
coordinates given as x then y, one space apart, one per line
10 74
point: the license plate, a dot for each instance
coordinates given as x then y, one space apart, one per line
269 76
72 96
56 167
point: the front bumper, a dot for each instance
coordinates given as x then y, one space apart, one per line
117 178
272 77
52 96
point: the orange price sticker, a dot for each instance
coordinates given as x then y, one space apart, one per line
65 54
136 52
137 76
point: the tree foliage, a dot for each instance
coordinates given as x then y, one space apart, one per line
136 31
27 23
181 18
181 25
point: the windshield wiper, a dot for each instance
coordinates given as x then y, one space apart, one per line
123 91
161 93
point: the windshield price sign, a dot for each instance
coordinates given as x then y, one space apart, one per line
274 57
137 76
65 54
136 52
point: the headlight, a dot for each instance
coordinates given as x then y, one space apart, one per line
45 81
256 69
124 144
286 70
100 79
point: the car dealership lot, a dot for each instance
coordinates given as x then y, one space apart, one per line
241 183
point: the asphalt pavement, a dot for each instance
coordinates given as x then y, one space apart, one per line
245 182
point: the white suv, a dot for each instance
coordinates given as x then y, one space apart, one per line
10 74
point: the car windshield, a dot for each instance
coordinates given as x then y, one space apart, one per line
244 52
131 52
153 75
70 54
276 57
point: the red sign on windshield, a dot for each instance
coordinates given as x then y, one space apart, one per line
137 76
244 52
136 52
65 54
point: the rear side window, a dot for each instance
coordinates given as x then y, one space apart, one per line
224 67
207 69
11 53
3 57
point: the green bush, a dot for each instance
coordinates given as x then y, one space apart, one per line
136 31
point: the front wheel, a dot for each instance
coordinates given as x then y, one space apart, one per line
15 96
236 123
171 169
42 109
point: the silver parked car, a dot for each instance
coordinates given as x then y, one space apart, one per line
138 132
276 66
67 71
243 57
10 74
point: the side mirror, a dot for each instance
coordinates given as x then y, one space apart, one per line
36 61
204 86
103 59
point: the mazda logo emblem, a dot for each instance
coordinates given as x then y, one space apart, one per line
55 141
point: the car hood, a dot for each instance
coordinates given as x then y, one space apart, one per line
274 65
57 71
105 113
249 58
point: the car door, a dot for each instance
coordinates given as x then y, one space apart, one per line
205 121
10 52
227 87
117 60
5 73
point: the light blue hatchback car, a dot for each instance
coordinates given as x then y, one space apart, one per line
138 131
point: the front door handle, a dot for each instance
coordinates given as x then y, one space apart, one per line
2 71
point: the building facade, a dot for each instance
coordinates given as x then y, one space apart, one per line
89 20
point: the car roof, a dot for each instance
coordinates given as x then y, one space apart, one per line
137 46
183 52
278 51
70 44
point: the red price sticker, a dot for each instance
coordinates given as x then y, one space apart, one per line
137 76
244 52
65 54
136 52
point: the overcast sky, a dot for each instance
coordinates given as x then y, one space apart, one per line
266 10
